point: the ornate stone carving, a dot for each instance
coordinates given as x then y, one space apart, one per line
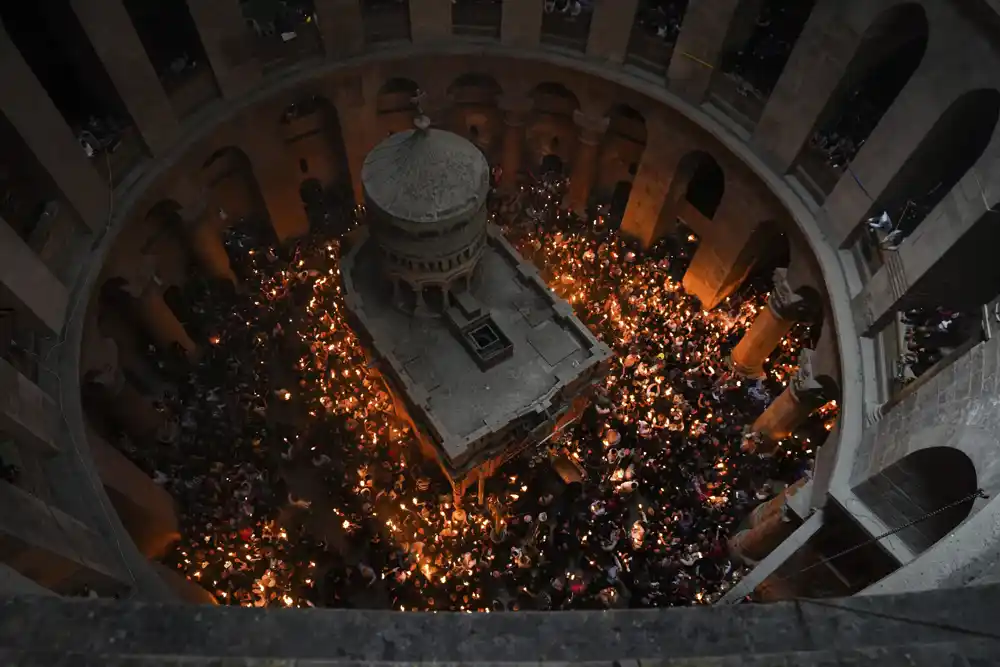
786 303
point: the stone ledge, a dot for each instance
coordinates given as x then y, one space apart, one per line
33 626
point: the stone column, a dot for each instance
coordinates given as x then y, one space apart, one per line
755 543
145 508
775 506
27 414
227 43
584 172
56 549
119 48
803 395
700 46
159 322
784 309
430 20
516 110
647 214
341 26
611 29
521 23
44 131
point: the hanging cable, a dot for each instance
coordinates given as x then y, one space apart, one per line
978 493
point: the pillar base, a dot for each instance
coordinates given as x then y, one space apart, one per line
752 372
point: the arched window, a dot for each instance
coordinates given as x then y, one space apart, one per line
946 153
889 53
917 485
706 182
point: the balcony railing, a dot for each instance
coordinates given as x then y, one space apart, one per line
815 172
648 51
281 47
737 99
477 18
386 22
565 31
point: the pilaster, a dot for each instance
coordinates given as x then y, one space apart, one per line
521 23
611 28
430 20
46 134
700 46
341 27
584 172
119 48
227 43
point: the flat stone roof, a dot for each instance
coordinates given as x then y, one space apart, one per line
551 347
425 175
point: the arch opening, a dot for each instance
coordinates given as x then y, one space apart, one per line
756 50
942 158
922 482
621 151
654 34
706 182
889 53
552 129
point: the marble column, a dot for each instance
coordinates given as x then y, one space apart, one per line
584 172
159 321
755 543
516 110
803 395
784 308
119 48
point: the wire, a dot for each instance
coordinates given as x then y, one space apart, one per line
978 493
892 617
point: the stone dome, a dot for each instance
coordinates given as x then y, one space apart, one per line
425 176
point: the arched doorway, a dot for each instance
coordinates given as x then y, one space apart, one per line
889 53
940 161
234 196
311 130
920 483
706 184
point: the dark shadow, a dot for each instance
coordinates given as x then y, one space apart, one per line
706 184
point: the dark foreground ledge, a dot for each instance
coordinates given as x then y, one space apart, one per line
948 627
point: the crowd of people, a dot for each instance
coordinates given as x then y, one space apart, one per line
299 486
661 18
930 335
757 64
